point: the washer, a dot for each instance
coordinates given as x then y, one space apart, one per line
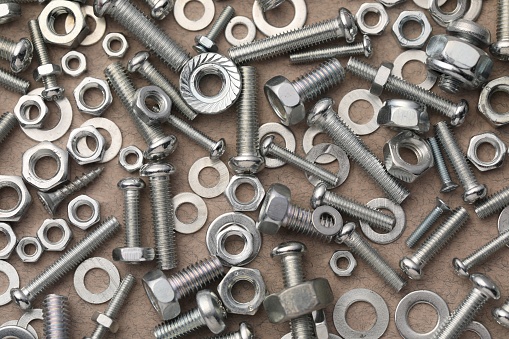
125 152
285 133
201 215
474 10
299 20
15 323
399 226
243 21
100 26
479 329
192 25
427 3
412 299
335 151
29 316
74 55
194 177
329 227
115 36
307 145
370 297
347 102
13 277
60 129
13 331
88 265
414 55
115 135
503 221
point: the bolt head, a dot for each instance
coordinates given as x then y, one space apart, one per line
137 61
500 50
218 150
246 331
101 7
345 232
246 164
161 9
157 169
22 55
485 285
460 113
21 299
368 47
472 195
211 310
501 316
411 268
448 187
48 201
265 144
290 247
442 205
460 267
318 194
161 148
53 93
285 100
273 210
131 184
348 25
204 45
320 109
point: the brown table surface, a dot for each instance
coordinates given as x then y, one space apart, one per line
138 318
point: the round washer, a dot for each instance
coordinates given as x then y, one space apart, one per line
13 331
88 265
15 323
307 145
194 180
412 299
29 316
370 297
192 25
13 277
201 215
100 26
115 135
243 21
337 153
332 226
74 55
503 221
285 133
414 55
125 152
299 20
479 329
399 226
347 102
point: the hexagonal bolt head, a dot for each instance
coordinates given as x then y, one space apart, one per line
404 114
161 294
152 115
285 100
204 44
105 321
160 148
274 209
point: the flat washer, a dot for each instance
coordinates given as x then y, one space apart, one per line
29 316
338 153
114 132
192 25
503 221
479 329
13 331
208 192
100 26
347 102
412 299
414 55
299 20
370 297
285 133
307 145
243 21
13 277
399 226
15 323
201 216
88 265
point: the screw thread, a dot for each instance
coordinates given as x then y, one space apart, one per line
184 324
445 177
293 273
132 218
303 327
13 83
7 47
503 20
197 136
269 4
424 226
247 113
57 318
319 80
300 220
40 49
7 123
449 83
327 53
220 24
484 252
24 1
493 203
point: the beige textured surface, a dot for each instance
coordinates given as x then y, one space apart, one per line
138 318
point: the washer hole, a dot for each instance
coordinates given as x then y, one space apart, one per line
4 282
499 101
415 71
97 280
422 318
187 213
245 193
194 10
9 198
361 310
486 152
46 167
243 291
371 17
84 211
282 15
240 31
361 112
208 177
234 244
54 234
412 29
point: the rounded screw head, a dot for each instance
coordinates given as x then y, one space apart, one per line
211 310
131 184
442 205
137 61
368 47
412 269
318 194
501 316
345 232
21 299
265 144
448 187
500 50
460 113
320 108
52 93
161 148
460 267
246 331
290 247
218 150
472 195
485 285
161 9
22 55
102 6
156 169
246 164
349 27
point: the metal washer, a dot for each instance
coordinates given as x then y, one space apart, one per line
15 323
194 180
243 21
299 20
399 226
114 132
414 55
201 216
13 277
88 265
192 25
29 316
100 26
307 145
347 102
338 153
479 329
285 133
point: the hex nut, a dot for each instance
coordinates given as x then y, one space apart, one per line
74 55
46 70
391 3
352 263
125 152
89 83
489 113
72 211
105 321
493 140
274 208
204 44
23 255
6 252
381 78
9 12
83 132
161 295
376 8
22 109
403 18
231 192
152 115
285 100
60 245
401 114
24 198
124 45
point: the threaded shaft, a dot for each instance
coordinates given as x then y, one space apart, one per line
50 81
424 226
303 327
247 113
7 123
197 136
449 83
293 273
6 48
493 204
484 252
57 318
269 4
221 22
503 20
132 217
319 80
13 83
445 177
184 324
299 220
327 53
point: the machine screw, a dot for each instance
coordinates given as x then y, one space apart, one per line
160 8
362 48
162 212
484 289
209 312
501 314
56 317
269 4
413 265
324 117
473 190
500 48
149 34
23 297
342 26
245 332
7 123
447 184
492 204
426 224
19 54
207 43
13 83
456 112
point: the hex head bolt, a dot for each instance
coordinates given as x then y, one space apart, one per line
47 72
483 290
447 184
19 54
148 33
413 265
493 204
324 117
500 48
23 297
159 144
245 332
51 200
207 43
56 317
13 83
209 312
456 112
341 27
7 123
162 213
473 190
160 8
360 247
428 221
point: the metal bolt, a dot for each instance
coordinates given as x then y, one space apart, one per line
13 83
19 54
362 48
23 297
7 123
492 204
360 247
56 317
456 112
473 190
245 332
269 4
447 184
52 91
500 48
426 224
207 43
209 312
160 8
484 289
162 212
413 265
342 26
149 34
324 117
501 314
51 200
159 144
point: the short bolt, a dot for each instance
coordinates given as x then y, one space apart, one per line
207 43
500 48
428 221
267 5
245 332
7 123
473 190
362 48
19 54
447 184
493 204
56 317
13 83
160 8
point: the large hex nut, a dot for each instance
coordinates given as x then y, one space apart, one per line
6 252
285 100
381 78
152 115
83 132
83 87
376 8
404 114
231 192
60 245
74 205
24 198
484 106
421 19
46 70
22 110
298 300
161 295
21 249
274 208
34 154
105 321
493 140
9 11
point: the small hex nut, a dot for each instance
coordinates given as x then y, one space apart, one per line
376 8
497 85
46 70
161 295
105 321
156 115
125 152
231 192
23 255
72 211
24 198
60 245
22 109
274 207
6 252
82 63
403 18
9 12
401 114
124 45
285 100
204 44
83 132
340 272
493 140
381 78
83 87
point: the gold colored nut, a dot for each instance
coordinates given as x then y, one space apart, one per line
105 321
493 140
24 199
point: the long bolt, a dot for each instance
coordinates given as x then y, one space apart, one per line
13 83
500 48
501 314
324 117
493 204
362 48
269 4
207 43
19 54
426 224
149 34
447 184
341 27
361 248
483 290
7 123
160 8
245 332
456 112
413 265
23 297
56 317
473 190
51 200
